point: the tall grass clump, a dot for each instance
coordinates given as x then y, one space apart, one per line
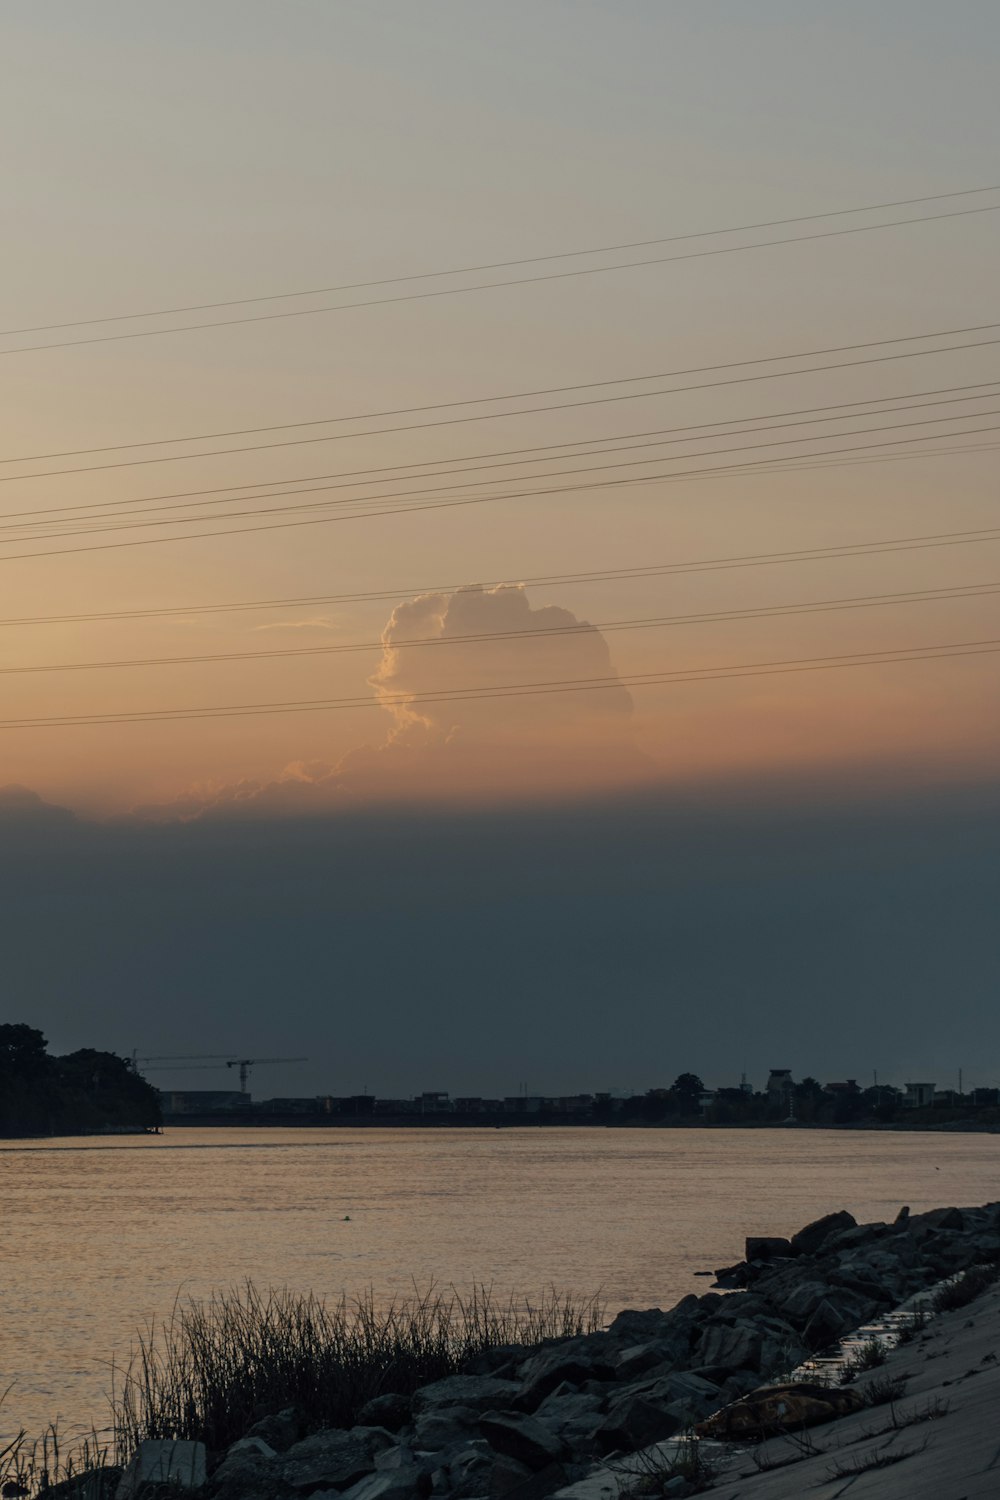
965 1288
29 1466
213 1368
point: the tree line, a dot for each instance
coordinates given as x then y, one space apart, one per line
83 1092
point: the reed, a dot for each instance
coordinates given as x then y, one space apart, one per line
214 1368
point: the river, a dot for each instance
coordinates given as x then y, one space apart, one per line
99 1235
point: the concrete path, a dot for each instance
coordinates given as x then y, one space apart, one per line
940 1441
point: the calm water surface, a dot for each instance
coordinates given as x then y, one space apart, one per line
99 1235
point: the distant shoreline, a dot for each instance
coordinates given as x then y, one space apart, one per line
527 1122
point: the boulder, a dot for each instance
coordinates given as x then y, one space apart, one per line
741 1308
434 1430
254 1446
797 1302
780 1408
767 1247
814 1235
334 1459
171 1462
686 1390
279 1429
554 1368
565 1406
521 1437
513 1481
390 1484
637 1326
736 1346
477 1392
635 1423
638 1358
856 1238
390 1411
827 1324
732 1277
469 1471
246 1475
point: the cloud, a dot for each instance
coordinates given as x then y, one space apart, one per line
316 622
484 744
22 808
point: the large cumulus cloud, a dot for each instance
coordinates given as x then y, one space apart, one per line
486 744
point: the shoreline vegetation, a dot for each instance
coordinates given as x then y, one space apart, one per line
89 1092
86 1092
278 1396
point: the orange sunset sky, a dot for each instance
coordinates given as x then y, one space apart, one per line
167 156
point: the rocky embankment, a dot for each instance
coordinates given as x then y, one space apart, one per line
524 1423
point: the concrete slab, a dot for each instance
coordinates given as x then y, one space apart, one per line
940 1441
159 1461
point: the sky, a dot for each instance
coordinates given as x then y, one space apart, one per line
485 707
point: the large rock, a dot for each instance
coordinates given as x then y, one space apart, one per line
520 1437
555 1367
334 1459
477 1392
390 1411
444 1427
507 1483
797 1301
736 1346
469 1471
637 1359
279 1429
827 1324
766 1247
636 1326
815 1235
636 1422
687 1394
176 1463
391 1484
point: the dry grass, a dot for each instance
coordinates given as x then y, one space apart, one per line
213 1368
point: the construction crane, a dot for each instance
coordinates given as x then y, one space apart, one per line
198 1060
176 1062
246 1063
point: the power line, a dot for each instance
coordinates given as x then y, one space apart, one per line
54 527
579 627
482 286
555 390
362 504
918 542
416 506
495 265
892 656
388 473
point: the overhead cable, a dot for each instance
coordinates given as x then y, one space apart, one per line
495 265
738 670
483 286
387 473
918 542
577 627
555 390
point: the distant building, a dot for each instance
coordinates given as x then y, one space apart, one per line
434 1103
779 1087
840 1090
203 1101
918 1095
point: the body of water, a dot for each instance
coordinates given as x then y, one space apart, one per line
98 1236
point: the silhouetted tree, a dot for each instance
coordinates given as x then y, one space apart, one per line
687 1089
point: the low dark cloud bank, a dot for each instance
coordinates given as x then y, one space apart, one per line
608 944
